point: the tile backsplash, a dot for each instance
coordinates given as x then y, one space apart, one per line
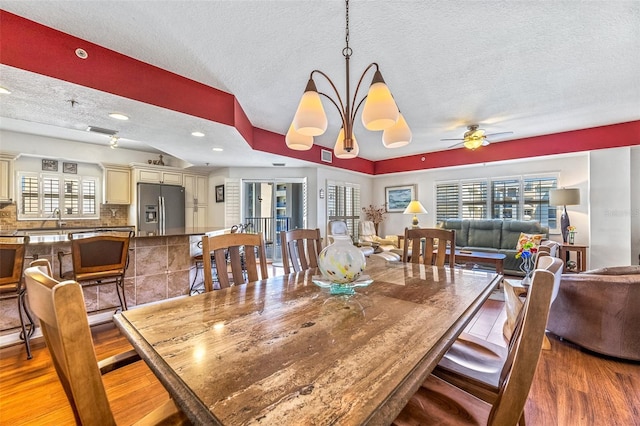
9 219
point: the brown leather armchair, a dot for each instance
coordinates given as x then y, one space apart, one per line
599 310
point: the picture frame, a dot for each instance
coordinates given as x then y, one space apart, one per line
49 165
70 168
397 198
219 193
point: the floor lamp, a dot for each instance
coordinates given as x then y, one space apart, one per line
564 197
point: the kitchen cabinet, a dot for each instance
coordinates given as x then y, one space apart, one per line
117 185
6 180
159 176
196 199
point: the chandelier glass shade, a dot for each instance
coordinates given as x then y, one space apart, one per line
473 143
379 112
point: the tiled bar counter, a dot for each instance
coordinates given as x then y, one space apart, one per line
160 267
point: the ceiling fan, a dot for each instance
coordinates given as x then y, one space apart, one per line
475 138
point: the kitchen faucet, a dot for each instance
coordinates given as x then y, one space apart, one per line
58 214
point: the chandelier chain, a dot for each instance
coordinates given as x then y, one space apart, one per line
346 52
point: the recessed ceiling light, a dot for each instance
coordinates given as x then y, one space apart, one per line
197 134
217 149
118 116
4 91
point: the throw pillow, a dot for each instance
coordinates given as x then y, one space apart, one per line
536 239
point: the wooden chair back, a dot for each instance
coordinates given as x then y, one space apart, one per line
300 249
435 253
12 252
241 250
65 327
99 256
514 391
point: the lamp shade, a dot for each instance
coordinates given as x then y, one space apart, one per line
415 207
564 197
473 143
340 152
397 135
310 118
380 110
298 141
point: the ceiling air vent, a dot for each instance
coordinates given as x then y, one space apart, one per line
278 164
101 130
326 156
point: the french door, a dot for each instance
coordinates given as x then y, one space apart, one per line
274 205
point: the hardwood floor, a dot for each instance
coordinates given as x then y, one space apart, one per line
571 387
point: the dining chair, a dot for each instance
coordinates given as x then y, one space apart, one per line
478 366
241 251
12 253
99 258
60 309
430 245
440 402
300 249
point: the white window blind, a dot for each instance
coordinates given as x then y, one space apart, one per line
232 212
474 200
343 203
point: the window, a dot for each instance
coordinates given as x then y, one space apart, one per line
40 195
343 203
513 198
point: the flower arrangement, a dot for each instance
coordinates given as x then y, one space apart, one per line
527 248
571 228
375 214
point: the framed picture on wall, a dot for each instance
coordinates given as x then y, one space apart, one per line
70 168
49 165
397 198
219 193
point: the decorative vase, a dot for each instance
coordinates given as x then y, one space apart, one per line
341 263
527 267
572 237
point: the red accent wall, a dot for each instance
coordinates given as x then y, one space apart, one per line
52 53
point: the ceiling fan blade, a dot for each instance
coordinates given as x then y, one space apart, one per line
453 139
494 135
485 142
455 144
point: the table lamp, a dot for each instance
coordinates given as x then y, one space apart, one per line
564 197
415 208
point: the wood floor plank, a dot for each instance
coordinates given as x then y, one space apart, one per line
572 387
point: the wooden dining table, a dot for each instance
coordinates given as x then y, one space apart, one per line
283 351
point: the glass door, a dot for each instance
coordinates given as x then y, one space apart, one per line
274 205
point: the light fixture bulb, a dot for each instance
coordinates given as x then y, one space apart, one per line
340 152
118 116
298 141
380 110
397 135
473 143
310 118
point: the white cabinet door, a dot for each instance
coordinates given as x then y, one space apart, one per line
172 178
195 189
159 176
117 186
195 217
6 181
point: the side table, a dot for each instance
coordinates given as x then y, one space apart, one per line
581 256
513 291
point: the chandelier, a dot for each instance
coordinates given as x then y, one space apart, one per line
379 112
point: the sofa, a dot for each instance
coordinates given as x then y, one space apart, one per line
600 311
495 236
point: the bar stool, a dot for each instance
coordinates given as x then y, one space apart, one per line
12 251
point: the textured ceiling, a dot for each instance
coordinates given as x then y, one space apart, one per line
531 67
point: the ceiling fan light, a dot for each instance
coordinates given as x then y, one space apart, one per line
397 135
340 152
473 143
380 110
310 118
297 141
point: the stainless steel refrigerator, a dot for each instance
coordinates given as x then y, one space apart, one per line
160 209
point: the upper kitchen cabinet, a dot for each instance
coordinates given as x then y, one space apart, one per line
157 175
195 189
6 179
196 199
117 185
